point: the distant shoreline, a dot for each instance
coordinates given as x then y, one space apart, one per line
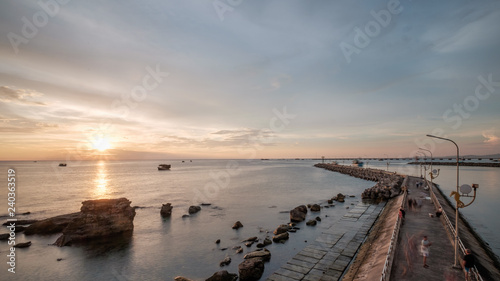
455 163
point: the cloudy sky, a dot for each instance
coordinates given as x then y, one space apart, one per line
247 78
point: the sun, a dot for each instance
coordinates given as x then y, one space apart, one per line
101 143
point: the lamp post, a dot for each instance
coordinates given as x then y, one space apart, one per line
455 265
432 171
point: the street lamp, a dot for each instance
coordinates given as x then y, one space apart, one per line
455 265
434 173
421 153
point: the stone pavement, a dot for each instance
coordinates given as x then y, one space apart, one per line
408 262
331 253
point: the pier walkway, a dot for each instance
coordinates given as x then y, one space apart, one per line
331 253
408 261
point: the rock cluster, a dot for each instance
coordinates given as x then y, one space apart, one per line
388 184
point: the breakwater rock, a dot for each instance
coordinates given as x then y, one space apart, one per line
96 219
388 184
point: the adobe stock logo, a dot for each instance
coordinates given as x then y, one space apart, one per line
372 29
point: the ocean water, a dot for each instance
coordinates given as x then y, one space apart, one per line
257 193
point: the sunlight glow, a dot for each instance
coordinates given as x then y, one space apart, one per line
101 143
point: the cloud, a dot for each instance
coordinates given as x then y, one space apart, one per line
20 96
490 137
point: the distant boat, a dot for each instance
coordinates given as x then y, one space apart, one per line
62 164
163 167
357 163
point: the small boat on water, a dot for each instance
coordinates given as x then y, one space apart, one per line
62 164
357 163
163 167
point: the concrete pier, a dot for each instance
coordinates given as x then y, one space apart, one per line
359 251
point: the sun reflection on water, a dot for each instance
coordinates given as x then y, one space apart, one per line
101 189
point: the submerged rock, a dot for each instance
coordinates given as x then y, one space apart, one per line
180 278
97 219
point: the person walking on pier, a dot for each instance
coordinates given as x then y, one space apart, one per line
424 248
468 263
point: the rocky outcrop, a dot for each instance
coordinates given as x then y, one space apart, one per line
251 269
223 276
194 209
166 210
98 219
298 214
21 222
51 225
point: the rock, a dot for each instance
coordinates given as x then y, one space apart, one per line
265 255
238 249
4 236
51 225
20 228
225 261
185 216
249 244
330 201
98 219
23 245
59 259
194 209
206 204
267 241
251 239
218 241
298 214
180 278
311 223
340 198
281 229
318 219
315 208
223 249
281 237
237 225
166 210
21 222
251 269
223 276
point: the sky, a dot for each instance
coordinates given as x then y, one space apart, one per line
245 79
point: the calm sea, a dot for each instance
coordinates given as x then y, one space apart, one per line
257 193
